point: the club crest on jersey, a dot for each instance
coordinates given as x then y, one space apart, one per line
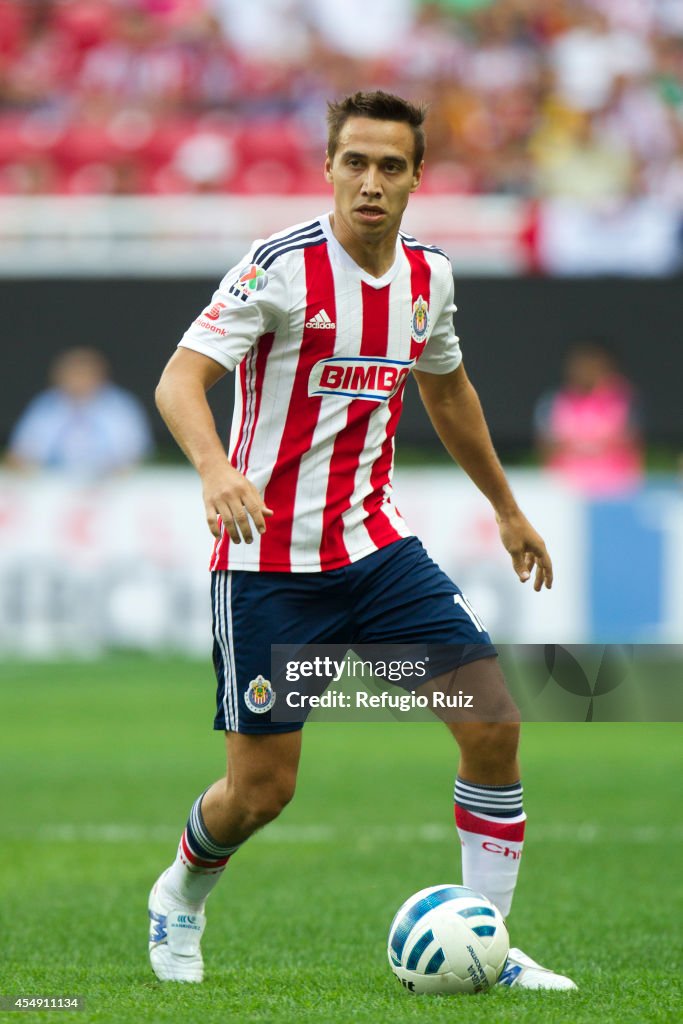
367 377
260 696
420 321
250 279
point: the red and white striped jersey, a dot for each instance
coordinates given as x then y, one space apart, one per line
323 350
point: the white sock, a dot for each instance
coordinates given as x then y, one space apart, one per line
199 864
490 822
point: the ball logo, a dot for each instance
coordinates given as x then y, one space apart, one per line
372 379
260 696
420 321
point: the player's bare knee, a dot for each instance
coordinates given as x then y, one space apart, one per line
282 792
264 808
258 802
494 744
492 701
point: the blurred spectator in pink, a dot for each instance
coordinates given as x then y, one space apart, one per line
588 431
83 423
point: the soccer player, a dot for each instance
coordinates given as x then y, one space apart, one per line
323 322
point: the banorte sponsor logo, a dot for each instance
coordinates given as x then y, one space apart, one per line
374 380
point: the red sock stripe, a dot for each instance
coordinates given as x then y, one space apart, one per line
513 831
194 859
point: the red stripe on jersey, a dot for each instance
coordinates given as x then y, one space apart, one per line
219 558
302 414
350 441
420 281
512 831
246 374
265 343
251 372
377 523
242 373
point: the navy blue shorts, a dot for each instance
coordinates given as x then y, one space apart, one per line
396 595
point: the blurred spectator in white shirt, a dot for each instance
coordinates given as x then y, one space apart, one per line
361 29
270 30
83 423
590 55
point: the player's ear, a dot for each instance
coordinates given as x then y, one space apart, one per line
417 176
328 168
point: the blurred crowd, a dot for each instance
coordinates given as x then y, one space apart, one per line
531 98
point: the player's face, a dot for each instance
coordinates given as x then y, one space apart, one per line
373 174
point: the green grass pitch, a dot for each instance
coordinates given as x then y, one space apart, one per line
100 763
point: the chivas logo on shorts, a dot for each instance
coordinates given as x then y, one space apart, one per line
260 696
420 321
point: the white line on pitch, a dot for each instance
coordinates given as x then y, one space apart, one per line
583 833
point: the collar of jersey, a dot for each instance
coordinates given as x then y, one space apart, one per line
342 257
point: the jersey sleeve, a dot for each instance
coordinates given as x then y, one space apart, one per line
441 353
248 303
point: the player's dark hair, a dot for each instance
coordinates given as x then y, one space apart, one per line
381 106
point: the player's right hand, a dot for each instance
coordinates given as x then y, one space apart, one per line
230 499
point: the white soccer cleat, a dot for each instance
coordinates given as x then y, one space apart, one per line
175 933
521 971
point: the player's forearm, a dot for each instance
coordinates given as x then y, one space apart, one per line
459 421
186 412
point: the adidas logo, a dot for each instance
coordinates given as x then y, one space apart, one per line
321 322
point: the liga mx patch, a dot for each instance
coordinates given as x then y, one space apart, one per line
260 696
250 279
419 326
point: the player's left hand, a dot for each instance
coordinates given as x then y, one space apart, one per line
527 549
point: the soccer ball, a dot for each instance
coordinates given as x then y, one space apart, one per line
447 939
